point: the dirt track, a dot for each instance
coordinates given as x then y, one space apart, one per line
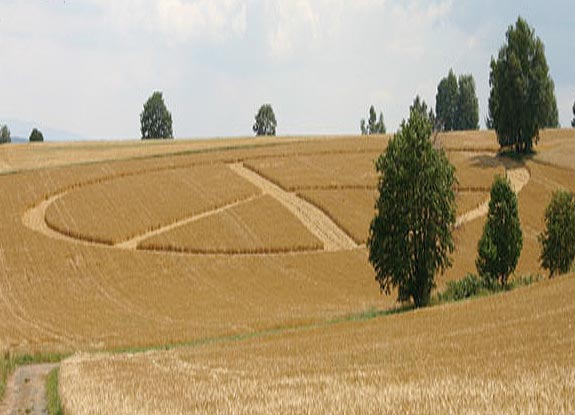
26 390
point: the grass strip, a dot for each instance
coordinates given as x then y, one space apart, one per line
54 407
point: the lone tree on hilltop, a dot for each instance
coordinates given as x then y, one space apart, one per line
502 240
155 119
36 136
522 98
5 134
410 236
558 239
446 102
374 126
265 121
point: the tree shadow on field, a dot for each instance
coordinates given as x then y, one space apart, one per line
505 159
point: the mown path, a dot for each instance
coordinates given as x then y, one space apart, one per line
518 177
26 390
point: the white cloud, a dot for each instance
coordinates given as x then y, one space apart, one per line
181 20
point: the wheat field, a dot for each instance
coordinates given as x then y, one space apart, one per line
510 353
113 246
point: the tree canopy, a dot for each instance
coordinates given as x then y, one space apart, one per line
374 126
446 101
155 119
558 239
502 240
456 104
410 236
467 111
5 134
36 135
522 98
265 121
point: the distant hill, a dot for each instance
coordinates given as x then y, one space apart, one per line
20 128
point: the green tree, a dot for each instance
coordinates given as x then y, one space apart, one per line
155 119
558 239
502 240
5 134
467 111
446 102
265 121
522 98
374 126
410 236
36 135
420 106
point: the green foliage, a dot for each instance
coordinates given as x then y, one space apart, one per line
446 101
469 286
522 98
456 103
410 237
558 239
472 286
467 112
5 134
36 135
373 126
265 121
155 119
502 240
54 406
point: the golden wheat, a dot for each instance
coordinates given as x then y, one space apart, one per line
510 353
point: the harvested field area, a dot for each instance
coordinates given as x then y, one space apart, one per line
509 353
68 295
320 171
116 210
475 171
352 209
260 225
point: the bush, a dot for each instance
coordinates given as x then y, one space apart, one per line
469 286
558 239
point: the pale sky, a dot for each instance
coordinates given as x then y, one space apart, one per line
87 66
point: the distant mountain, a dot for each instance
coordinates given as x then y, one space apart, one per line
20 129
18 140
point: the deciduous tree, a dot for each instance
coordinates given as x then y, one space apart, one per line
446 102
155 119
5 134
265 121
36 135
374 126
467 111
410 237
502 240
558 239
522 98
